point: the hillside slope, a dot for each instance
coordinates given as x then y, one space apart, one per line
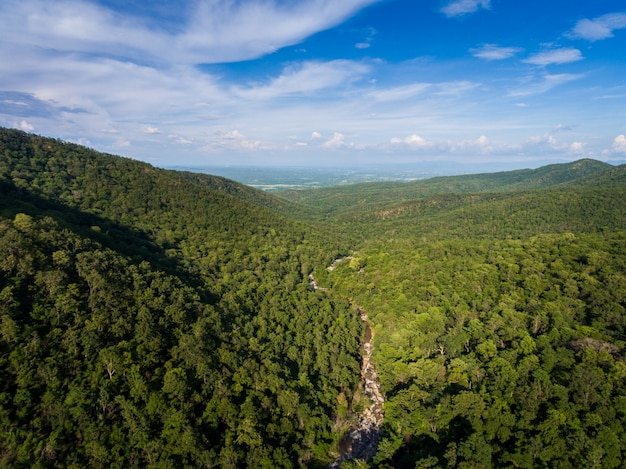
156 319
588 205
367 196
499 321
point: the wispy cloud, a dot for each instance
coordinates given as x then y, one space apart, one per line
477 146
599 28
365 44
555 56
545 142
399 93
217 31
494 52
79 27
545 83
455 88
463 7
225 30
305 78
561 128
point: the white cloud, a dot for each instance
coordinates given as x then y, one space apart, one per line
26 126
78 26
231 139
494 52
226 30
86 143
336 142
619 144
248 145
599 28
216 31
14 102
233 135
455 88
414 141
536 139
463 7
116 79
371 32
550 143
479 145
577 147
555 56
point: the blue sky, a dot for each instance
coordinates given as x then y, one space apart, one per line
326 82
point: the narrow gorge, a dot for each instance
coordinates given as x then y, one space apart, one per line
361 440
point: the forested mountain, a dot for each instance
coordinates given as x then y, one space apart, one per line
157 319
367 196
153 318
499 323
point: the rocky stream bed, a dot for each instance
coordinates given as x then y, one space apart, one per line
361 440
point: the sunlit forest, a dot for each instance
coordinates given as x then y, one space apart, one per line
159 318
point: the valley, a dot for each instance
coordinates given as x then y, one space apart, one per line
160 318
361 439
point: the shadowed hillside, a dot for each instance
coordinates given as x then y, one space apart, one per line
155 318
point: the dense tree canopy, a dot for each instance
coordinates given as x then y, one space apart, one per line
150 320
153 318
498 352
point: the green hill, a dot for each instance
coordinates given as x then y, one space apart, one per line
154 318
593 204
367 196
499 320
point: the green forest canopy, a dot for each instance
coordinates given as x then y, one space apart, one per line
153 318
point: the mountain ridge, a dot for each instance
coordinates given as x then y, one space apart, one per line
365 194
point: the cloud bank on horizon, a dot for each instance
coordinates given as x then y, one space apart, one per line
336 82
